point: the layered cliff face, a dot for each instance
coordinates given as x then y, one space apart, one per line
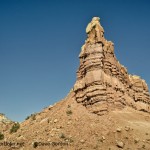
103 84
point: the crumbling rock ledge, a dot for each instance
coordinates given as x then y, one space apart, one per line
103 84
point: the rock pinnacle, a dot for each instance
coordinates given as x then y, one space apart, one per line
103 84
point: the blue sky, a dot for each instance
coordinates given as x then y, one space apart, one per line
40 41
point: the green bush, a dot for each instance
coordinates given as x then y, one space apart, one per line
15 127
1 136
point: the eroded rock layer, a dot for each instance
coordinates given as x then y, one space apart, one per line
103 84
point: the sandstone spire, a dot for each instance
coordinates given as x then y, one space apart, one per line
103 84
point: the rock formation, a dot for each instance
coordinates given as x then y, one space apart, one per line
103 84
5 123
4 119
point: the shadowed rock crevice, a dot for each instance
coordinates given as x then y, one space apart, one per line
103 84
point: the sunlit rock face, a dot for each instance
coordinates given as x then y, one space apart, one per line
4 119
103 84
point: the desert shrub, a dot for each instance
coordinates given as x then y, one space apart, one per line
69 112
1 136
15 127
1 114
32 116
27 117
69 106
35 145
62 136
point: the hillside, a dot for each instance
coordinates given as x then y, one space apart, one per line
70 123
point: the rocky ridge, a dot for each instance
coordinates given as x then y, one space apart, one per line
103 84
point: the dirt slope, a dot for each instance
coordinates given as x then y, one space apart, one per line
68 125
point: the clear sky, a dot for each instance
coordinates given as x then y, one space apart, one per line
40 41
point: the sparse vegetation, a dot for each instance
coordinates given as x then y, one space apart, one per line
32 116
27 117
35 144
1 114
69 106
62 136
69 139
15 127
1 136
69 112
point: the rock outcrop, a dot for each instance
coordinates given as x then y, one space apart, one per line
5 123
103 84
4 119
